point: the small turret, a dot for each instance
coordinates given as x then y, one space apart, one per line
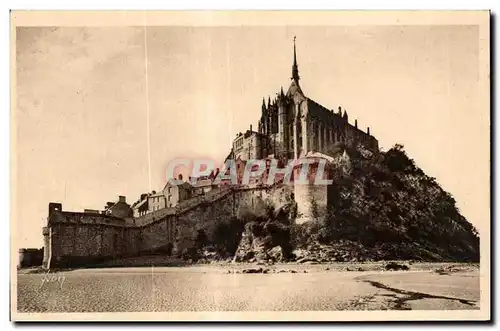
345 117
54 206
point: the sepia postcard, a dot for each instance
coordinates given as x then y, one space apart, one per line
250 166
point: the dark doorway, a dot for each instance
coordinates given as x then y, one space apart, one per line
170 248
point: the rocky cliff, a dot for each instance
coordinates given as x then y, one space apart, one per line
384 208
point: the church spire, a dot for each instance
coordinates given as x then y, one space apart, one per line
295 68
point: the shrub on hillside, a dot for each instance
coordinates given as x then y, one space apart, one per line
260 211
223 235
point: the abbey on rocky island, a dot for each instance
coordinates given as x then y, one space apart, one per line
292 125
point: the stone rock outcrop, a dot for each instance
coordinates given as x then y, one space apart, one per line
276 253
252 246
258 245
266 237
340 251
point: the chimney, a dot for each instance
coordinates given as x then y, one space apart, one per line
356 123
250 127
368 130
121 198
340 111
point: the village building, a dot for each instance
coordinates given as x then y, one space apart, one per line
119 209
156 201
250 145
175 193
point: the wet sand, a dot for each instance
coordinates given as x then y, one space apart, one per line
223 287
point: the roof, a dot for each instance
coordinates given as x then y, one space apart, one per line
294 88
319 111
320 155
140 204
186 185
171 183
229 156
249 133
203 182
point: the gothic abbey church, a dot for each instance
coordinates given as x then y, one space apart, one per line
293 125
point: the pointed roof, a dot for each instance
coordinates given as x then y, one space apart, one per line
294 87
229 156
141 205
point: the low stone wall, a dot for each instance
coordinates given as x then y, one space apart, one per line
30 257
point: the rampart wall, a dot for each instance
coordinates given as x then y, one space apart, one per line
76 239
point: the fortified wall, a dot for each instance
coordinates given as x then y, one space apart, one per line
77 239
73 238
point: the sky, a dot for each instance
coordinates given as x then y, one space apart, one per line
84 96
